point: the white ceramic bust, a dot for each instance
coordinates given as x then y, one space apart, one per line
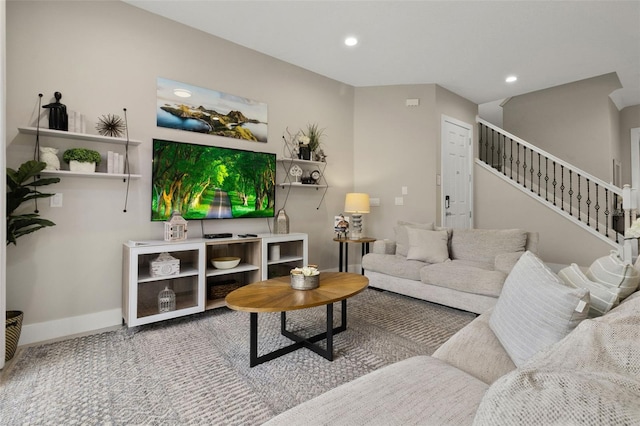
48 155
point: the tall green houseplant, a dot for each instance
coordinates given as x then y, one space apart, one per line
22 186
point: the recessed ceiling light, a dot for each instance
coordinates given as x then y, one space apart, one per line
511 79
350 41
183 93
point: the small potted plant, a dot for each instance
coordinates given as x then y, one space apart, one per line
82 159
22 186
312 136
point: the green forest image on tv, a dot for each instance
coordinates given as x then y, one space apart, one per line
207 182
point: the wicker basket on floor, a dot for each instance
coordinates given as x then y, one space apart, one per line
13 328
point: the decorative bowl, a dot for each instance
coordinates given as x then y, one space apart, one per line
227 262
304 282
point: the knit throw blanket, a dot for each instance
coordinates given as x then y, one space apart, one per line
590 377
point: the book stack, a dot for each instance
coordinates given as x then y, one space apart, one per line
115 162
76 122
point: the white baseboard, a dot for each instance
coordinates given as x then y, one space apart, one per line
65 327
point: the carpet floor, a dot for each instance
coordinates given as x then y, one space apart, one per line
195 370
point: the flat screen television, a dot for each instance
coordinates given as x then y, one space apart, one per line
210 182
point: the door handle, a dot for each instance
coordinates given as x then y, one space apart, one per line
446 202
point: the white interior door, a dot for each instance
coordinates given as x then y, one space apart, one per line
457 182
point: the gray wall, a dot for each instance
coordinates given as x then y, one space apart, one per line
500 205
629 119
573 122
398 146
104 56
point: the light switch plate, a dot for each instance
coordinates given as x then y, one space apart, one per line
56 200
399 201
374 201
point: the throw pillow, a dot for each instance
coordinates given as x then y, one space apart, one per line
484 244
613 272
402 236
602 298
535 309
428 246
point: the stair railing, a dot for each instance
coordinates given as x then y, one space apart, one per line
585 199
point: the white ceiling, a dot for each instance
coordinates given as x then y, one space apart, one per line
468 47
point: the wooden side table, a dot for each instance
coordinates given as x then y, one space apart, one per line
344 254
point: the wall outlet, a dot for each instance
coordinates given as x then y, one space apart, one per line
374 201
56 200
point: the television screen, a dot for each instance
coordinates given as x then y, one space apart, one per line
209 182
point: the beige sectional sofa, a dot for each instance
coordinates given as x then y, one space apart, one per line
461 268
535 358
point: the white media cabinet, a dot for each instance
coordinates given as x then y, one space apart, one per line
199 286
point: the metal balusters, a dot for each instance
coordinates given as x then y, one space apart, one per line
596 208
539 174
524 167
546 178
579 199
588 204
531 171
504 155
492 164
606 212
571 192
498 153
511 160
562 187
518 163
554 183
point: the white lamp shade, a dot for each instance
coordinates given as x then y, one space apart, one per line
356 202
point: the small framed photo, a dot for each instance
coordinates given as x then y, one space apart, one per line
341 225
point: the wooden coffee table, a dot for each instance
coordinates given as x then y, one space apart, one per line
276 295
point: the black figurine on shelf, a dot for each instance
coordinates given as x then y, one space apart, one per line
58 118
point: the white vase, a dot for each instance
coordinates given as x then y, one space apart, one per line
76 166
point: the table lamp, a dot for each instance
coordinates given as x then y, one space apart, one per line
356 203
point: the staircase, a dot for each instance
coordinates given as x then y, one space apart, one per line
586 200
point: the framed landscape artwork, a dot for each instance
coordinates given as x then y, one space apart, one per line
196 109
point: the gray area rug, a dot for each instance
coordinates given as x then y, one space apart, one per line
195 370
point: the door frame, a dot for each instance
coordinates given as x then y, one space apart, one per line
443 120
635 162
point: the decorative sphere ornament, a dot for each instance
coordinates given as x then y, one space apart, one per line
111 125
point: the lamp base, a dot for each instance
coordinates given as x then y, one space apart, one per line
356 227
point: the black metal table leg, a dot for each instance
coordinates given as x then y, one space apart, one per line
346 258
300 342
341 244
253 339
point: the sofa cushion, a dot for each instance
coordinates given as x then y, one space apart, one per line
590 377
428 246
504 262
393 264
418 390
613 272
402 235
535 309
384 247
466 276
485 244
603 298
476 350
